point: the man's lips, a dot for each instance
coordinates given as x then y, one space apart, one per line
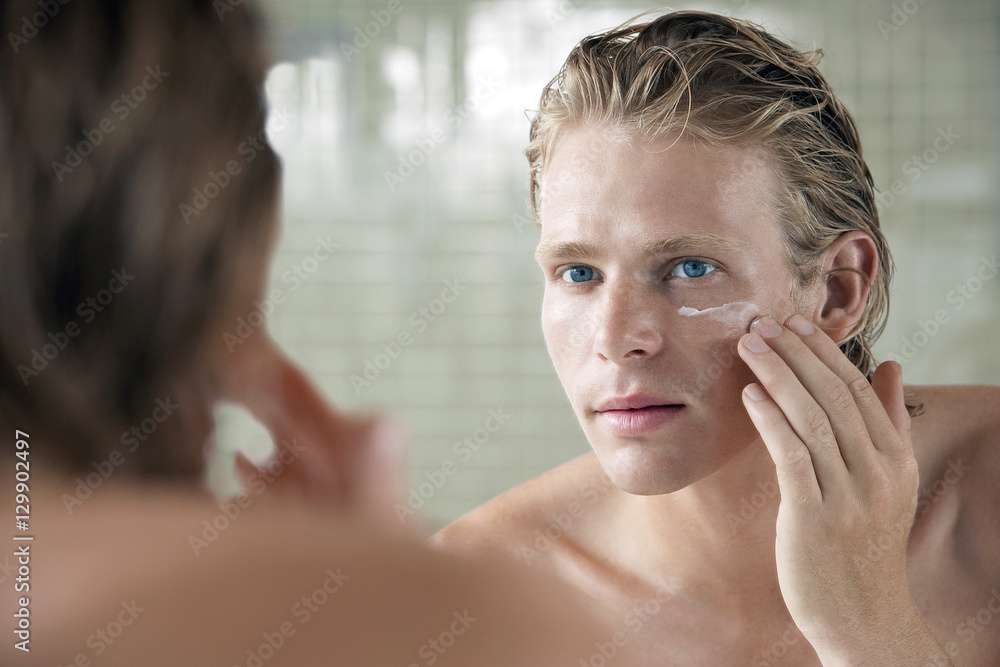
635 402
637 414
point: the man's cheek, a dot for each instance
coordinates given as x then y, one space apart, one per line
568 332
717 367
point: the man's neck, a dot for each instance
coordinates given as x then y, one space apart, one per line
715 537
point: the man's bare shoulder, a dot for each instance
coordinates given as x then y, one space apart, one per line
957 443
955 420
514 517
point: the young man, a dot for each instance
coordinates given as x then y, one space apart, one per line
715 275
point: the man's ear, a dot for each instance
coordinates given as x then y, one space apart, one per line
850 265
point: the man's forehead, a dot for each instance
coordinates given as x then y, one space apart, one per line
576 150
584 160
677 197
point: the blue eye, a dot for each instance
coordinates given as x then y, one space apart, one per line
578 274
692 268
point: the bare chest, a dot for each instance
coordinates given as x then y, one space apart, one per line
668 626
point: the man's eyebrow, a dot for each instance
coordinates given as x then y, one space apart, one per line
556 250
691 242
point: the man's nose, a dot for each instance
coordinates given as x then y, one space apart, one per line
627 324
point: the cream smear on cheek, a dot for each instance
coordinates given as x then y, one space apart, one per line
737 314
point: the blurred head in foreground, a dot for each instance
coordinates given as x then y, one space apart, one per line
138 205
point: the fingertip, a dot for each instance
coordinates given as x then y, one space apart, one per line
389 439
887 381
754 393
892 371
381 479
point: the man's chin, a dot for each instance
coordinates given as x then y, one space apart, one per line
644 469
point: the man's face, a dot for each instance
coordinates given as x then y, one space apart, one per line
656 260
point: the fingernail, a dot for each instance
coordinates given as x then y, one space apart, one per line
801 325
755 393
767 327
755 343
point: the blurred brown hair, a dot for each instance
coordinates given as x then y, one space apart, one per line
723 80
68 228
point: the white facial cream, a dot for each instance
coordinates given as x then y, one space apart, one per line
737 313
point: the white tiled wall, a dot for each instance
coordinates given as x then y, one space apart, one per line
460 216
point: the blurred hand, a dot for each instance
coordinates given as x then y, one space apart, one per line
327 457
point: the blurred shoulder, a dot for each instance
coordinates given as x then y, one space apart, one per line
125 564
